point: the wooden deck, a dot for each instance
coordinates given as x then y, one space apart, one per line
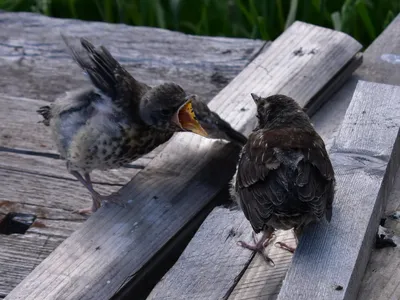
35 68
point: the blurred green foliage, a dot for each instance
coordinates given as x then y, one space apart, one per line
265 19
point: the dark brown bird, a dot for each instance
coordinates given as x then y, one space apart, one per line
118 119
284 176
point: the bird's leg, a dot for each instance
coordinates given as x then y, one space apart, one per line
260 245
96 197
87 182
284 246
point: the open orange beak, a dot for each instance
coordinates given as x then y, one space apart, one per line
186 119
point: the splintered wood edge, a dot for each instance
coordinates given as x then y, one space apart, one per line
109 227
331 258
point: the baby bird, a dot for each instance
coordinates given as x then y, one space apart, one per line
118 119
284 177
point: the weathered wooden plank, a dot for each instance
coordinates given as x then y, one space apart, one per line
52 201
35 63
212 263
16 262
379 65
382 277
39 190
226 226
365 156
45 166
327 121
375 68
131 236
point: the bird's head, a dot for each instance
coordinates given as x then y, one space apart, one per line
279 111
168 108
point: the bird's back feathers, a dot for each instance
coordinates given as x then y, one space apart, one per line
284 179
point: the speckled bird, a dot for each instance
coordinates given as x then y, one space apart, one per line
118 119
284 176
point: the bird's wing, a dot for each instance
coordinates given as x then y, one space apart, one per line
106 74
277 165
215 126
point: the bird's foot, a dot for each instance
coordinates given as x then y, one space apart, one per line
98 200
112 198
259 246
285 247
85 211
89 210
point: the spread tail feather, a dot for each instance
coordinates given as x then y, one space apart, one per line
46 114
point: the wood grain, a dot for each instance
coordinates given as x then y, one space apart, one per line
221 230
35 63
259 281
177 184
336 254
381 280
50 167
16 262
327 121
35 66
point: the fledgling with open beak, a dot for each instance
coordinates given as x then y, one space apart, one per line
284 177
116 119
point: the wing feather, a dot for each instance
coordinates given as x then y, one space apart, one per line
284 178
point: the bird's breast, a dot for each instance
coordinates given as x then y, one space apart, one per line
101 150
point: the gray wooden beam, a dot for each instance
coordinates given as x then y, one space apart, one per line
331 258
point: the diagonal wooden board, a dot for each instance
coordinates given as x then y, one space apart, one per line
365 157
116 243
331 258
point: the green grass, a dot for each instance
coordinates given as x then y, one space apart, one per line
265 19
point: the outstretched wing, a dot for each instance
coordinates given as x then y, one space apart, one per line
106 74
277 169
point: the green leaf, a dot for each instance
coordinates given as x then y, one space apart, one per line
292 13
363 13
337 21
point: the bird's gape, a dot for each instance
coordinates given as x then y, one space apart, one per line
186 119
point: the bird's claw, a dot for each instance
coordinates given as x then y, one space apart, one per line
114 198
285 247
84 211
258 247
